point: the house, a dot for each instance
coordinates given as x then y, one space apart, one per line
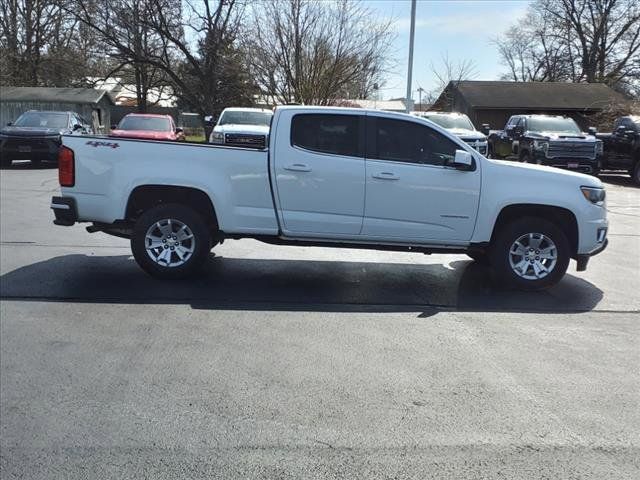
125 94
493 102
91 104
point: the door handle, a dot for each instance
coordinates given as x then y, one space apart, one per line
386 176
298 167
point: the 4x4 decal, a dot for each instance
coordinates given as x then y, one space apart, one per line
96 144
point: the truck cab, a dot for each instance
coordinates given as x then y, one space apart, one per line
556 141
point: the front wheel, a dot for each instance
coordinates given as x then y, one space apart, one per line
530 254
170 241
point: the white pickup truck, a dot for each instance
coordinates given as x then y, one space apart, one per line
334 177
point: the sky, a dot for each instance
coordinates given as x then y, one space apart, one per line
461 29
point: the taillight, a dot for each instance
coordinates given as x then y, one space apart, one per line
66 167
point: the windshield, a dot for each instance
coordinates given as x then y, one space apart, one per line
553 124
451 121
245 118
153 124
42 119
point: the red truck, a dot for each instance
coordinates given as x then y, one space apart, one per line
147 126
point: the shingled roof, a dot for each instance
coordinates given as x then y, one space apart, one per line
536 95
50 94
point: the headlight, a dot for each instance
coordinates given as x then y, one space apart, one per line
217 137
599 147
541 145
594 195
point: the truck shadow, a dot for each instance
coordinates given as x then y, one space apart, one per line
292 285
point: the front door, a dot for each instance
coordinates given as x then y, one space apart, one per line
412 195
319 174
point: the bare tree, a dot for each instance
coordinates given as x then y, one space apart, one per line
128 41
576 40
449 72
38 44
313 52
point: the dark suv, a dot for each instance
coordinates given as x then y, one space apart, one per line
547 140
35 136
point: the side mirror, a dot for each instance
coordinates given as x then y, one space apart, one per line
77 127
463 160
486 128
113 127
9 124
210 120
179 130
592 131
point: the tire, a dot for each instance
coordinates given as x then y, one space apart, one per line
181 252
481 258
635 173
505 253
524 157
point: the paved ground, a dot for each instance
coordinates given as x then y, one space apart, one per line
309 363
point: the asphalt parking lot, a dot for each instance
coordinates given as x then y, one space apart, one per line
291 362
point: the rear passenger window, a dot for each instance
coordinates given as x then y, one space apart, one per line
326 133
411 142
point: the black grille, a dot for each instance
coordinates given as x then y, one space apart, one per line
571 150
245 140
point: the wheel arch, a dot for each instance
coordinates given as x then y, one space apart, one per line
143 197
564 218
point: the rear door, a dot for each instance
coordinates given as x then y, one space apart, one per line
320 173
412 195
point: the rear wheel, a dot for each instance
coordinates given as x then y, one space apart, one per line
530 253
170 241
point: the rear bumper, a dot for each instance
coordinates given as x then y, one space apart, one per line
65 211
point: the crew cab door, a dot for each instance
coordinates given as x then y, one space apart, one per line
319 173
412 195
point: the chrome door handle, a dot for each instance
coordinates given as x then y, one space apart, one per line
298 167
386 176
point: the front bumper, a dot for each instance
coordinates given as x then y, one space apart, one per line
582 165
65 211
29 148
583 260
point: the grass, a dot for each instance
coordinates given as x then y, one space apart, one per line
195 138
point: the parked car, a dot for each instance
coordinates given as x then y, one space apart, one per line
147 126
426 191
460 125
547 140
244 127
35 135
622 147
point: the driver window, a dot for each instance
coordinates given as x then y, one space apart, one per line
411 142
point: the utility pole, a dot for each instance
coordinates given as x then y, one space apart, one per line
420 90
410 69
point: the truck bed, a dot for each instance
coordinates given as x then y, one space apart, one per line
236 179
